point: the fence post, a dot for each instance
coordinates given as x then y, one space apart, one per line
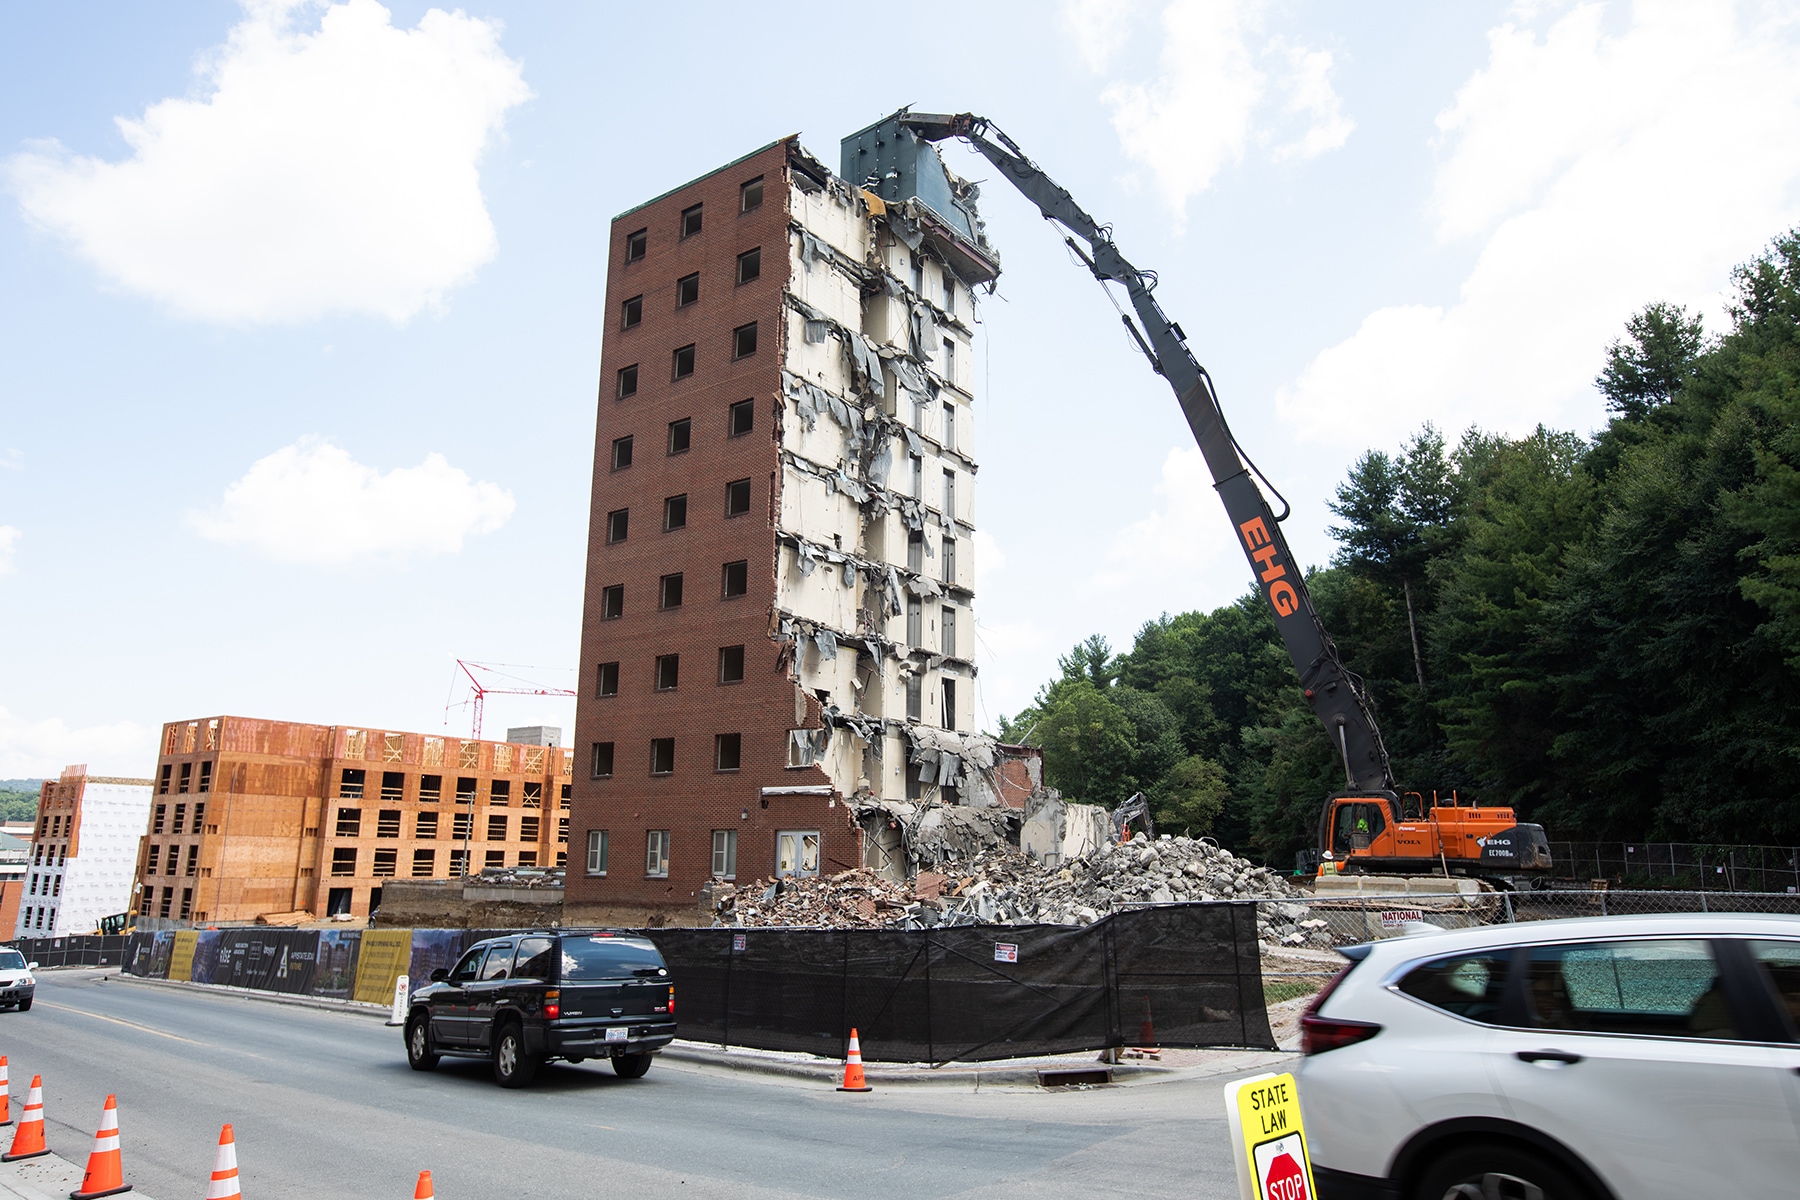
1509 907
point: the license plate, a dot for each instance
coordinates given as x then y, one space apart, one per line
617 1034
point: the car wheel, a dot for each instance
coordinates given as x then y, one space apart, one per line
420 1054
513 1067
630 1066
1495 1171
24 1006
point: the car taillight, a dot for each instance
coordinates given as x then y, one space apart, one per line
1319 1034
671 1000
552 1004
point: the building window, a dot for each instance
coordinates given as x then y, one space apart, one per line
947 647
656 853
162 782
949 291
918 274
174 857
462 824
496 827
949 367
457 867
949 704
596 858
424 864
915 552
187 775
528 858
690 220
796 854
621 454
349 822
168 898
749 265
662 756
724 854
949 423
534 794
750 195
156 819
675 513
915 622
206 770
668 672
628 381
612 602
149 867
683 362
918 477
386 862
606 679
915 700
187 903
949 558
350 784
636 243
180 819
562 830
728 751
669 591
387 823
681 435
740 418
465 790
949 495
562 801
494 860
426 828
736 581
743 341
602 764
737 498
687 290
618 524
631 312
343 860
731 664
431 789
528 829
500 792
393 787
800 748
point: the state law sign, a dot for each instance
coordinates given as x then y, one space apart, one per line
1268 1140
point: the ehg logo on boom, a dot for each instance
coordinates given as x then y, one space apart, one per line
1262 548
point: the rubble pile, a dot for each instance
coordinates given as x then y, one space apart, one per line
1004 887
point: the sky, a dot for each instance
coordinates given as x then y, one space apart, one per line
301 303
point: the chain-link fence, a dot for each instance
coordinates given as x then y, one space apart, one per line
1683 865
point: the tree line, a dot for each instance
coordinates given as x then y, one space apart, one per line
1602 631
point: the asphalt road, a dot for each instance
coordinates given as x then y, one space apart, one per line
325 1105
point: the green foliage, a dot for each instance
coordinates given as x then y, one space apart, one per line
1603 633
19 799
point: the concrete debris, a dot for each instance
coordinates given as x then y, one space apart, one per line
1000 886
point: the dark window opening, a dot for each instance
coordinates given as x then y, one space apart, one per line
500 792
496 827
736 578
349 822
684 362
162 785
915 552
424 864
494 858
750 195
393 786
947 628
612 602
671 591
949 559
675 513
350 784
662 756
631 312
681 435
617 523
949 713
156 824
749 265
635 244
607 679
387 823
621 453
741 418
737 497
628 381
915 707
602 765
431 789
731 664
743 341
426 827
465 789
385 861
687 290
187 777
528 829
668 671
728 751
690 220
343 860
206 769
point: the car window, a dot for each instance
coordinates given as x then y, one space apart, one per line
609 958
11 960
470 964
536 959
1782 962
1469 985
1648 988
499 961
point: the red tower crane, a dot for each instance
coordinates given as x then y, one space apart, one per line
482 690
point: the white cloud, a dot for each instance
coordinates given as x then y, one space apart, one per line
312 503
988 558
41 749
1099 28
322 171
1211 99
1599 172
9 541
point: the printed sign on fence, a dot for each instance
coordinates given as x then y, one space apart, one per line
1394 918
1006 952
383 959
739 941
181 955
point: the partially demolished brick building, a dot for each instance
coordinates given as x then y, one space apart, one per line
777 638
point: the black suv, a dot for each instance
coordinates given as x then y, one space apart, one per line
529 997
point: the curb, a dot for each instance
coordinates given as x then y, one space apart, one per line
50 1177
354 1007
901 1075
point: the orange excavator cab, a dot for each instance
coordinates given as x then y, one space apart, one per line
1373 831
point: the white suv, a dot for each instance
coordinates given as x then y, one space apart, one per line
1606 1058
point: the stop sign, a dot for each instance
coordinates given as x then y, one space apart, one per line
1285 1180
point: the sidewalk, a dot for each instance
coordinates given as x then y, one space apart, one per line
46 1178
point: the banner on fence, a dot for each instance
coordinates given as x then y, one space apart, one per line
181 955
382 957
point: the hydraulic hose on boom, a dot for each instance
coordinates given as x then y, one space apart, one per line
1336 695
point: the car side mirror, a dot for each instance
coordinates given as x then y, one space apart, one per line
31 966
439 975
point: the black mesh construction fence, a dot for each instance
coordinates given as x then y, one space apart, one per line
1180 975
83 950
1680 865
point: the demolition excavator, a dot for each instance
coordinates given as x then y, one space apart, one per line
1367 827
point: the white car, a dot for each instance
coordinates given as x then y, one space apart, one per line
1604 1058
17 986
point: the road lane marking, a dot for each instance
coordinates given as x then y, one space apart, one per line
82 1012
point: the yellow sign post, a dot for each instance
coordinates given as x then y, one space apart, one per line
1267 1139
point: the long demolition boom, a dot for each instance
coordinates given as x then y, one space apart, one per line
1336 695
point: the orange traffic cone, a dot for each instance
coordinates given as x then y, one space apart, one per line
1146 1028
105 1170
28 1142
423 1191
853 1072
224 1185
5 1095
